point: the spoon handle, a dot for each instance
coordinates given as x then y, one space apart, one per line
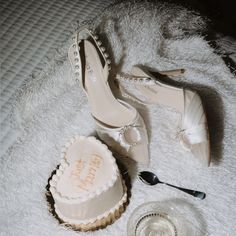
194 193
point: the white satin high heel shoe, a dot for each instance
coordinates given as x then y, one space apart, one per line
193 133
118 124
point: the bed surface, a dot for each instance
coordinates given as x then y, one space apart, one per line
30 32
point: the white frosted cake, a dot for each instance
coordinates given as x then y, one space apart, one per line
88 189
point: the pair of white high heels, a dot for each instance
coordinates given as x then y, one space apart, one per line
118 123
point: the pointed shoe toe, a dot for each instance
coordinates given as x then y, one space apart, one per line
202 152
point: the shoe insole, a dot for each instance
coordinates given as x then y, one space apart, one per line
105 107
160 93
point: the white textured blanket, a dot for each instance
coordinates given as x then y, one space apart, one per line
52 108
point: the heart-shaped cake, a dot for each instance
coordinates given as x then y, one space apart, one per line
87 188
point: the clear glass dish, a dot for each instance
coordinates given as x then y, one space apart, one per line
167 218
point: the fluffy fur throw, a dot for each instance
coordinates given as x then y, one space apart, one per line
52 107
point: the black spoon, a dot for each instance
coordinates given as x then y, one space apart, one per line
151 179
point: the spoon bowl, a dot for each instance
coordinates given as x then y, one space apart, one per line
149 178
